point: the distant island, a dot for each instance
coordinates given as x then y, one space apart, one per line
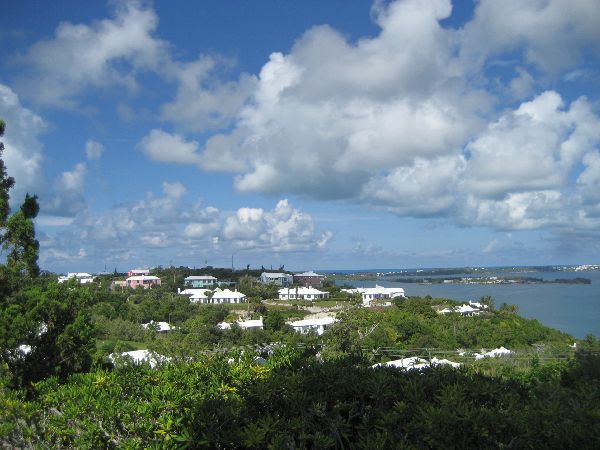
492 280
473 275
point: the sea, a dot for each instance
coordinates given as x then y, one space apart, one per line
572 308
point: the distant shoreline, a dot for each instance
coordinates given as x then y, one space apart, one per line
492 280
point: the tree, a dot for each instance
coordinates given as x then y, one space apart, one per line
6 182
44 330
18 232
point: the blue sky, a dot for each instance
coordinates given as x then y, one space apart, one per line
313 134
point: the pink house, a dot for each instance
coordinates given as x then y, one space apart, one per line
145 281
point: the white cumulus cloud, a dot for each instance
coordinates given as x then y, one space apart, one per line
104 54
22 147
173 148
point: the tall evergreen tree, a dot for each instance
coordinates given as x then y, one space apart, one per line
17 232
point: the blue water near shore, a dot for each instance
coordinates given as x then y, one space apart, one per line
572 308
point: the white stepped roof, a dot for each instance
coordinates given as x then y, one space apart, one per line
320 321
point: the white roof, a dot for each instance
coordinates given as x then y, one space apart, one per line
494 353
416 363
478 305
245 324
226 293
200 277
308 274
465 309
194 292
254 323
142 278
202 293
320 321
79 275
139 356
376 290
275 274
161 326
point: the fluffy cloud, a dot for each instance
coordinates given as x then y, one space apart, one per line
173 148
407 121
203 102
93 149
22 148
106 53
141 231
67 197
283 229
330 114
531 148
175 189
551 34
413 119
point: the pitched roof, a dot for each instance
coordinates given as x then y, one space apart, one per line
309 274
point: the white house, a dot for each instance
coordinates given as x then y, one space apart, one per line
319 325
463 310
225 296
244 324
376 293
416 363
196 295
301 293
81 277
280 279
478 305
251 324
139 357
161 327
501 351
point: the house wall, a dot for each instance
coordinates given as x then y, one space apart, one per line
143 283
308 281
201 283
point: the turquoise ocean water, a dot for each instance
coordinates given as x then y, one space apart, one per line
573 308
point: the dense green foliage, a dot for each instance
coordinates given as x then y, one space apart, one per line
295 401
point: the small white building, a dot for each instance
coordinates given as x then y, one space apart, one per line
501 351
252 324
463 310
416 363
319 325
225 296
302 293
196 295
280 279
139 357
81 277
376 293
161 327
